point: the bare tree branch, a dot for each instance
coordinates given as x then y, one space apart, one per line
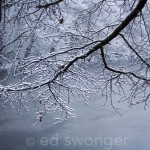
50 4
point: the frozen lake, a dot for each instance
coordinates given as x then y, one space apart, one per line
97 127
